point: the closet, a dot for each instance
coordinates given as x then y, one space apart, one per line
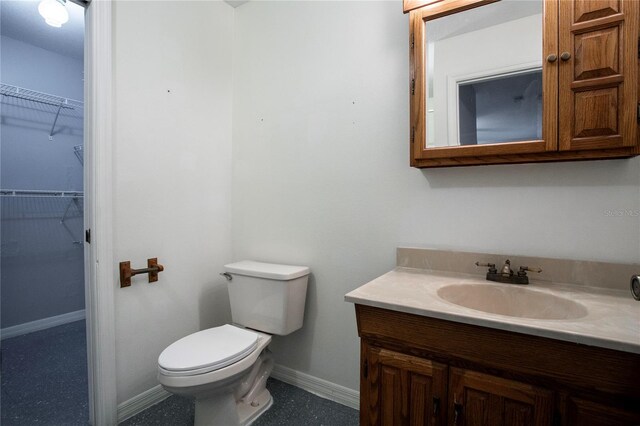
42 321
42 210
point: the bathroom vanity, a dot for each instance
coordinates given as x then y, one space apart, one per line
556 354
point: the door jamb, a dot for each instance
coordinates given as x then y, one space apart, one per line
100 274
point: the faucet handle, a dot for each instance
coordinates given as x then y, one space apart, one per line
523 270
491 266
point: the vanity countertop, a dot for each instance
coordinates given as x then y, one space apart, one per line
612 321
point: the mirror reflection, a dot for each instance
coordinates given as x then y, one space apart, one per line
484 75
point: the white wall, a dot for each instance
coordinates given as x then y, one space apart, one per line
172 175
321 173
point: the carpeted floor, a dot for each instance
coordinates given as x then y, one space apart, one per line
291 407
44 382
44 377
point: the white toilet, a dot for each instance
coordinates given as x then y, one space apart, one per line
226 368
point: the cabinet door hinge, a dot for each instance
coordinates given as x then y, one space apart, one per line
639 112
413 133
365 368
87 235
413 42
413 86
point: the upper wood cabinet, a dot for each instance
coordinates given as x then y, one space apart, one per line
496 82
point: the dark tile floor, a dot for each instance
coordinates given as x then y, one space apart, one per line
44 378
44 383
291 406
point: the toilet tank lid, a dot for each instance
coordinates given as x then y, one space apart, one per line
272 271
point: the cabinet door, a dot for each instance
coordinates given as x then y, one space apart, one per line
399 389
598 74
481 399
589 413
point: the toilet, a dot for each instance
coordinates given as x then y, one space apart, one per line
226 368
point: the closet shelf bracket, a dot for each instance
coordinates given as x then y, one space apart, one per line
55 120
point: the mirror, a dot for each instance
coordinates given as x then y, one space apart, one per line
484 75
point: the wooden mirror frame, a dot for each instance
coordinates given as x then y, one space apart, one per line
591 106
423 156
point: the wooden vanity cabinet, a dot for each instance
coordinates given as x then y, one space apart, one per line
401 389
591 90
416 370
483 399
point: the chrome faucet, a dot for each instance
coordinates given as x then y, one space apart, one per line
506 274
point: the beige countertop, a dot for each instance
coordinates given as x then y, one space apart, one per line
612 319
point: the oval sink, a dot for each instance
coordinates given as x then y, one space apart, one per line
512 301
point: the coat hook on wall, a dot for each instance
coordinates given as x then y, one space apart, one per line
126 272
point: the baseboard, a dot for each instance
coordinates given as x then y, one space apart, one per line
323 388
316 386
141 402
41 324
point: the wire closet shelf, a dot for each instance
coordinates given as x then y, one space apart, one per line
39 193
62 206
27 98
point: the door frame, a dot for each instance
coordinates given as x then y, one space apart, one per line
100 272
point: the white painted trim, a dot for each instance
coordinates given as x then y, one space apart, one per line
141 402
315 385
41 324
323 388
100 270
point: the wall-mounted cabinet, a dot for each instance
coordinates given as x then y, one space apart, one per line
496 82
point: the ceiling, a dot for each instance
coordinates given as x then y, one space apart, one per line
20 20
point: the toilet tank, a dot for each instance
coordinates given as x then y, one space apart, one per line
267 297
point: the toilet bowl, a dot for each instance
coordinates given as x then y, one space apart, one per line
225 369
229 388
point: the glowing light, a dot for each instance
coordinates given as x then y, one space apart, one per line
54 12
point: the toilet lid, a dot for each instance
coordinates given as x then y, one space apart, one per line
208 350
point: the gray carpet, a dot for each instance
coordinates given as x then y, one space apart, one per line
44 382
44 377
291 406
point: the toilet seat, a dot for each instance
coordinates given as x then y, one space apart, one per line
217 376
207 350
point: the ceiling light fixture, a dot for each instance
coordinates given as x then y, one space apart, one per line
54 12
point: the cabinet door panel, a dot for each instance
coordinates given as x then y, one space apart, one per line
588 413
598 80
391 396
597 54
484 400
596 113
419 392
517 413
476 406
400 389
588 10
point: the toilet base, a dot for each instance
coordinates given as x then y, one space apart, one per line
224 410
248 413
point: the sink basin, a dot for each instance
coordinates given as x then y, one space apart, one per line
512 301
